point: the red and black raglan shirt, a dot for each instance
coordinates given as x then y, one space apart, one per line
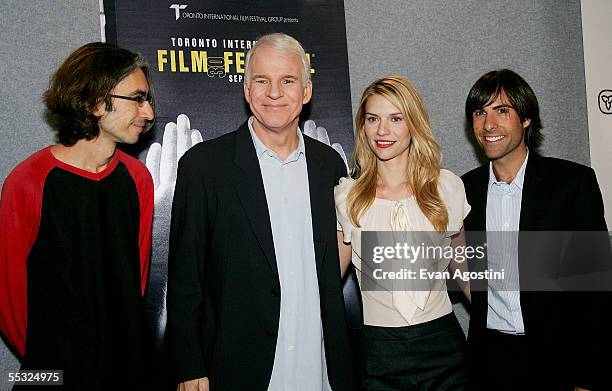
74 257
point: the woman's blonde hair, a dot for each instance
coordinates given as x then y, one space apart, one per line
424 154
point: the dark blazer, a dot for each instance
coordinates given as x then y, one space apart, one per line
563 328
223 285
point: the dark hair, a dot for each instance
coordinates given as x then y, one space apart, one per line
82 82
521 96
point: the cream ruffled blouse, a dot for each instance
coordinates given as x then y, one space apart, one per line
391 308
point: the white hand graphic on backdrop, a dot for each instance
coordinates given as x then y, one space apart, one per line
320 133
162 162
162 159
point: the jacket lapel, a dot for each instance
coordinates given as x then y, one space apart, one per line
476 226
478 200
316 186
531 198
531 202
252 193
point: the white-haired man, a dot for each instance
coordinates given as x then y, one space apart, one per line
254 290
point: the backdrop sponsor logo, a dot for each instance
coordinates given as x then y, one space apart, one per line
605 101
177 9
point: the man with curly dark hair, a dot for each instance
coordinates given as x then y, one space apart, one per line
75 228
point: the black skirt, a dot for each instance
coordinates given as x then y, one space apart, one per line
424 357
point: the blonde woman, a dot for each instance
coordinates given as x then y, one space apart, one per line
409 341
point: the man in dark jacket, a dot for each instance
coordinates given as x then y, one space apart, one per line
522 336
254 291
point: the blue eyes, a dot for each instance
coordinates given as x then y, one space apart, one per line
394 119
284 81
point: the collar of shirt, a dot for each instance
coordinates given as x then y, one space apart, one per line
261 148
517 182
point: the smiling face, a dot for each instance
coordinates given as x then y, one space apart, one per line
276 90
386 129
126 120
500 131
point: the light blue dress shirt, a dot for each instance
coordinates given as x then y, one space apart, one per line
503 219
299 361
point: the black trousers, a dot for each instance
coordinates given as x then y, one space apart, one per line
422 357
509 362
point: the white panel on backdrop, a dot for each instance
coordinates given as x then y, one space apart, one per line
596 33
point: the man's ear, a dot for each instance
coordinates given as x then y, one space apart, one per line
526 123
100 109
247 92
307 92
